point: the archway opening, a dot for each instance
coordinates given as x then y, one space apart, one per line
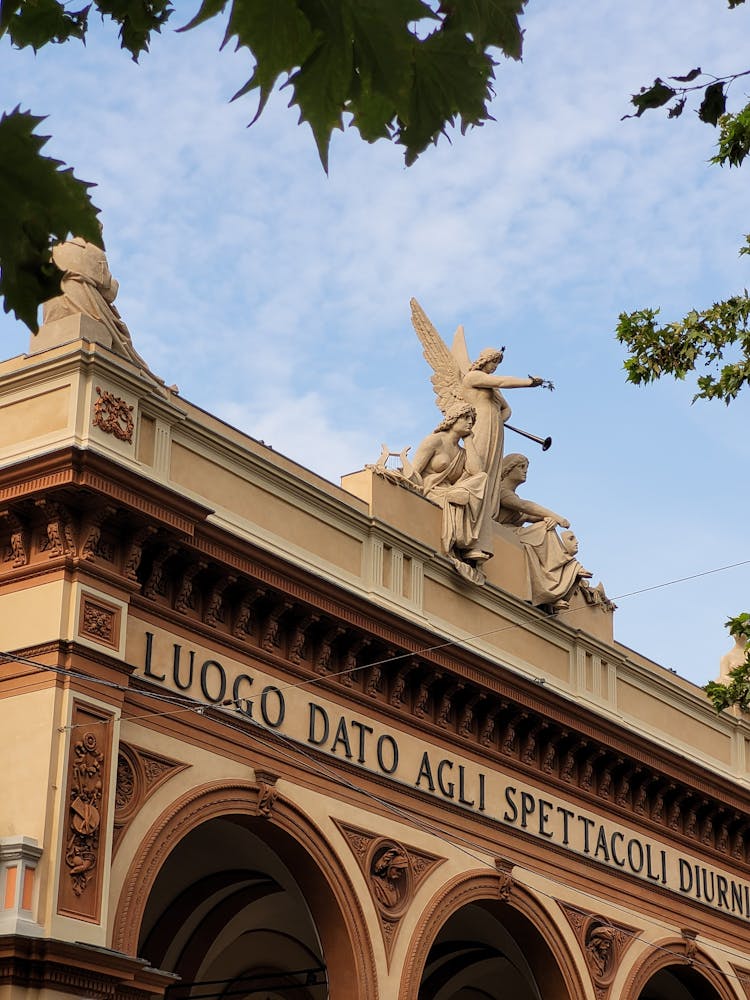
678 982
229 914
486 948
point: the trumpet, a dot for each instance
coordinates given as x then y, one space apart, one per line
544 442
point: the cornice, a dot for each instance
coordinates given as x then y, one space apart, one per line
349 512
78 969
85 468
186 571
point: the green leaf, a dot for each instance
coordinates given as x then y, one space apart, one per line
322 84
41 202
655 96
713 105
676 348
279 36
138 20
739 626
677 108
688 77
734 138
372 114
8 9
36 24
383 44
490 22
451 80
207 10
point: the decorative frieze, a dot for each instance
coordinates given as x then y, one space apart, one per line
312 635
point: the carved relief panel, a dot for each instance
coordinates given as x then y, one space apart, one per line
393 872
603 943
139 773
85 819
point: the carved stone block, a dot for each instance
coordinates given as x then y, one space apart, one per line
99 621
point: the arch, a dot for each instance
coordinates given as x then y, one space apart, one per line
325 884
487 886
675 953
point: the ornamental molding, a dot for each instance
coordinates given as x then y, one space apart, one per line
113 415
140 773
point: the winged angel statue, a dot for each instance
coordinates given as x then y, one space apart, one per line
465 480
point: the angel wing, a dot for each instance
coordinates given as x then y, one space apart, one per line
460 351
447 378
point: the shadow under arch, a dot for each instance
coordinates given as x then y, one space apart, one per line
526 919
327 889
696 973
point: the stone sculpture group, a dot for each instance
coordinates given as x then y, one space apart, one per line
461 467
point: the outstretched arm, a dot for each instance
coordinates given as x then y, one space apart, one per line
483 380
531 511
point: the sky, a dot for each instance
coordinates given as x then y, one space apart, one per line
277 297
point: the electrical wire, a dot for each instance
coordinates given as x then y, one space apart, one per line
467 847
447 644
292 752
458 842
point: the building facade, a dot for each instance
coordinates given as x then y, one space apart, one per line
261 740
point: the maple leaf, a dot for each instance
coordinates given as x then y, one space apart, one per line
42 202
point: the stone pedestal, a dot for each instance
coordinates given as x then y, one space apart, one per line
67 330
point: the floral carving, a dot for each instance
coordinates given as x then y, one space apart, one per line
91 534
374 685
506 881
349 665
126 783
487 732
134 552
59 533
17 552
82 847
398 699
266 799
99 622
185 600
157 583
271 638
215 613
691 949
139 774
324 658
299 637
113 415
445 708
